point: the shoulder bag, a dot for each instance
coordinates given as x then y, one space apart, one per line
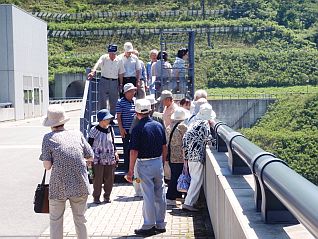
41 197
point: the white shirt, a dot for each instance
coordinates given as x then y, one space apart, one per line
110 69
131 65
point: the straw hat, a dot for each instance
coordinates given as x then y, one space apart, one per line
206 112
55 116
179 114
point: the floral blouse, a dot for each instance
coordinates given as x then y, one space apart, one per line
67 150
195 140
176 152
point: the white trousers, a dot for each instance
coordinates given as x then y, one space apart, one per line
57 208
196 173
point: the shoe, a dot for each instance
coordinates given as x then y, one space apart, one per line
189 208
97 201
146 232
171 202
161 230
107 200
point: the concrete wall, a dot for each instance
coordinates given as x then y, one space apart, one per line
231 205
240 113
63 81
23 46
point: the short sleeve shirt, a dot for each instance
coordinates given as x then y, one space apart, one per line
127 110
148 137
131 64
67 150
110 69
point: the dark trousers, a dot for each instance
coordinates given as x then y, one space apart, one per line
176 170
126 149
103 174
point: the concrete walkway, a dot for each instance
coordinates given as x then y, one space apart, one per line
119 218
21 171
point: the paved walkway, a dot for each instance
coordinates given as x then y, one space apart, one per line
119 218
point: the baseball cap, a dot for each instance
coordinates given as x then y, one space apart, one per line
165 94
142 106
112 48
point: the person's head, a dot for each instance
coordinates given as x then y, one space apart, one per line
56 117
136 52
112 51
200 94
183 53
129 49
104 118
153 55
129 91
166 98
198 103
179 115
206 112
185 103
163 55
142 108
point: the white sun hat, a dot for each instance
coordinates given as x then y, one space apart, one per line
55 116
128 47
151 99
143 106
206 112
179 114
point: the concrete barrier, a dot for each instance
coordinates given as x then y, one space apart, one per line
231 205
7 114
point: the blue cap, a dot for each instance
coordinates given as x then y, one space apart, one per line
112 48
104 115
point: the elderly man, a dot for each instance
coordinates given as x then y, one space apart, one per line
125 110
149 148
112 70
132 65
169 106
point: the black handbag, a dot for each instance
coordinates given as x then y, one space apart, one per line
41 197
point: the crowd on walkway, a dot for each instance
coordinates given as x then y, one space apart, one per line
157 147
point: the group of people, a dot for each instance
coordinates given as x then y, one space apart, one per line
120 69
147 136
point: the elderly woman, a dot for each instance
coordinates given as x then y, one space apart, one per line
64 151
174 133
194 145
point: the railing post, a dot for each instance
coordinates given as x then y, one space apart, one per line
272 209
236 164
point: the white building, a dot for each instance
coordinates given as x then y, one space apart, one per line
23 64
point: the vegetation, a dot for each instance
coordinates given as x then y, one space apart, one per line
290 131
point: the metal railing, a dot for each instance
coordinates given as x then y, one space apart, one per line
89 105
281 194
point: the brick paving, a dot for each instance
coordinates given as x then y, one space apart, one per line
119 218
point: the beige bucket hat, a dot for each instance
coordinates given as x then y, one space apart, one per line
55 116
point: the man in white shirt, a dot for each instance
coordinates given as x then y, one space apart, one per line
111 82
132 66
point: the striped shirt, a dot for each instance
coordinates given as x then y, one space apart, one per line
127 110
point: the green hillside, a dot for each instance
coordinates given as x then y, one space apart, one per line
254 43
290 131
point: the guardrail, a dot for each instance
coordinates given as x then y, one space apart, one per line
6 105
154 31
62 101
137 14
281 194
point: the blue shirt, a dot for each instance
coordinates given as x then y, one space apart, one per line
127 110
147 138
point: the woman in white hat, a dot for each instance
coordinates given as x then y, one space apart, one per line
174 134
64 151
194 146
